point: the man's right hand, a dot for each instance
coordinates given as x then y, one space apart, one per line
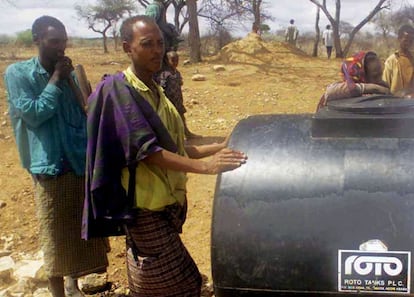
63 69
226 160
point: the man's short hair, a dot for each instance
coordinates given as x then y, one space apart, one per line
292 21
328 26
40 25
127 32
405 29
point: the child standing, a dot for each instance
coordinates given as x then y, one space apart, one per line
171 80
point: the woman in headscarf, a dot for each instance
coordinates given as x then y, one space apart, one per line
361 75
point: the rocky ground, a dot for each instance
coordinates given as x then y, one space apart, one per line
258 78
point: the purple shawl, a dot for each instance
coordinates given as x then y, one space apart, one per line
122 129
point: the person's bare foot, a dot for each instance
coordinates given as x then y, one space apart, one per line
71 288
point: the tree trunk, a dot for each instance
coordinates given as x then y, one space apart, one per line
104 41
317 34
337 41
193 32
335 22
256 12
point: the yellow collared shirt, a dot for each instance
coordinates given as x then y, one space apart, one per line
156 187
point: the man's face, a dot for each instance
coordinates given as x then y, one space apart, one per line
52 44
406 41
146 49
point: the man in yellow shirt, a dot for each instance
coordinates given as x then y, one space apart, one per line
399 67
131 120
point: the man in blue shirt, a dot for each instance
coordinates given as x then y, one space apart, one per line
50 129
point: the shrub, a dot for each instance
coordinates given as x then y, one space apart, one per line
24 38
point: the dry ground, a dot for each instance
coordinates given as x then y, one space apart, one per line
260 78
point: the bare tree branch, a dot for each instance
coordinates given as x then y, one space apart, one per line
105 14
336 21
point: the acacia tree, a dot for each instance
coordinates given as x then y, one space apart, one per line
254 9
221 16
384 25
104 15
336 21
225 15
405 15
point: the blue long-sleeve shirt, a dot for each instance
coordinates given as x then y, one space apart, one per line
48 123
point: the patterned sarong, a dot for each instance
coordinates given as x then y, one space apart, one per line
59 202
164 267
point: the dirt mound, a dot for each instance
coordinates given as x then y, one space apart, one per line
253 50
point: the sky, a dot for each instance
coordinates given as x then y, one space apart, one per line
18 15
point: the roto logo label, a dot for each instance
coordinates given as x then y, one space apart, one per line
364 265
376 272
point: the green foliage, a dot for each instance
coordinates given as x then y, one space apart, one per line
6 39
24 38
105 15
264 28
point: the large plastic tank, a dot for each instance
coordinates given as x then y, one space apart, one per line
324 205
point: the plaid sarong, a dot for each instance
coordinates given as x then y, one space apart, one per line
59 202
164 267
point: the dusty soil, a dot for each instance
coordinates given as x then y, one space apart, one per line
260 78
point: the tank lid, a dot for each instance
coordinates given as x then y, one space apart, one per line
377 104
377 116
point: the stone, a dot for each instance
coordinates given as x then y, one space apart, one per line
2 203
42 292
6 270
198 77
95 283
186 62
4 253
121 291
23 287
219 68
28 268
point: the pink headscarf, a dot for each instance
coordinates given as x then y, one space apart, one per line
353 68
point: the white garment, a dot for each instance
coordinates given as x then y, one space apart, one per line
327 36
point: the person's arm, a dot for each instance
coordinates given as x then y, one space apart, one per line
341 90
181 78
224 160
202 151
32 108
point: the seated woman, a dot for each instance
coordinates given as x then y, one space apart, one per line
362 75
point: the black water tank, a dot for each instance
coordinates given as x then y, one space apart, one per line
324 205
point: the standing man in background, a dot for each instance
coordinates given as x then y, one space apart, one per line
50 131
327 39
291 34
157 11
